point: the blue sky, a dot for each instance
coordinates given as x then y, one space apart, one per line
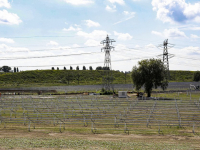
33 30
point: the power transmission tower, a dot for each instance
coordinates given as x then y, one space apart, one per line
107 77
166 56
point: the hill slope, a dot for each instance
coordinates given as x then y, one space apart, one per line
74 77
58 77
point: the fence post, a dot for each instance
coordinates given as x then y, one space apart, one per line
193 128
29 126
93 128
159 129
126 129
60 128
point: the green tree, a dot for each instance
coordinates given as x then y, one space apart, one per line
90 68
71 68
5 68
57 68
196 76
52 68
150 73
84 68
15 69
106 68
99 68
64 68
77 68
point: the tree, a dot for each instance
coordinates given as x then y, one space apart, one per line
150 73
77 68
99 68
64 68
15 69
52 68
90 68
84 68
106 68
57 68
71 68
5 68
196 76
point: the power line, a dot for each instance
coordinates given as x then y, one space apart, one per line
16 58
128 59
52 49
129 49
24 37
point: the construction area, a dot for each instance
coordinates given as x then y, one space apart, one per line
101 114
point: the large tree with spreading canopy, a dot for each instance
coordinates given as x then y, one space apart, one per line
150 73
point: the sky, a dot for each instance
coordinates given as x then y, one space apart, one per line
41 34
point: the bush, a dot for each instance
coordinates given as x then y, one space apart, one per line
196 76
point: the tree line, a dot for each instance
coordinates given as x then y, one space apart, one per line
84 68
8 69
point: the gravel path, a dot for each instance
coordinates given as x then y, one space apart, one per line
172 86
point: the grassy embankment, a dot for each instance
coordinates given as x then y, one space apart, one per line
40 78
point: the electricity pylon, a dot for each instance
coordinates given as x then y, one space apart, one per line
107 77
166 56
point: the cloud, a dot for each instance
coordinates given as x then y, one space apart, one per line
194 28
92 42
7 40
6 48
194 37
149 46
123 36
170 33
52 43
75 45
91 23
129 15
191 50
9 18
156 33
79 2
71 28
174 33
96 34
111 9
189 27
137 46
121 2
4 3
176 11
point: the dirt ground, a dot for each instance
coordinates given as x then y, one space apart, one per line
41 134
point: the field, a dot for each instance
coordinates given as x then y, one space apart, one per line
170 121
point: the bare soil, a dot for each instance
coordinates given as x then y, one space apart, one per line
166 139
